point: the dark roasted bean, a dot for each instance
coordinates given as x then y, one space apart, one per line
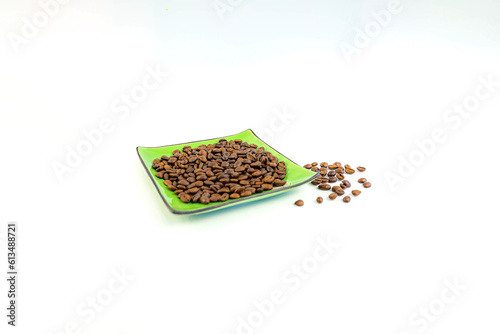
324 186
356 192
332 196
346 183
319 200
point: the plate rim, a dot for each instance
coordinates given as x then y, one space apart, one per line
222 204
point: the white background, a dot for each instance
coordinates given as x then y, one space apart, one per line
199 274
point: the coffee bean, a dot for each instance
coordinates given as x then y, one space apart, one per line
267 186
314 164
332 166
316 181
343 186
319 200
331 173
324 164
338 190
349 171
324 186
361 169
356 192
347 199
362 180
323 179
367 184
332 196
323 171
332 179
315 169
299 203
346 183
340 176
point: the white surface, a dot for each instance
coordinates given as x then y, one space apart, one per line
199 274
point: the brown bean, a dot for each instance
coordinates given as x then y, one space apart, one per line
347 199
356 192
346 183
319 200
362 180
367 184
299 202
361 169
308 166
332 196
324 186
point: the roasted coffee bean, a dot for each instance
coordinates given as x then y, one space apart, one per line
279 183
349 171
343 186
346 199
356 192
316 181
339 170
267 186
362 180
219 171
299 203
347 166
340 176
331 173
319 200
323 171
346 183
338 190
361 169
323 179
332 196
332 166
324 186
324 164
308 166
367 184
332 179
314 164
315 169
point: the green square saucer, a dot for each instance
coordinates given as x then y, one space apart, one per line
296 175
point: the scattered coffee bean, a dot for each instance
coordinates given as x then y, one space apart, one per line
299 203
349 171
308 166
340 176
361 169
324 186
347 199
319 200
331 173
343 186
324 164
314 164
332 179
367 184
362 180
315 169
338 190
356 192
332 196
346 183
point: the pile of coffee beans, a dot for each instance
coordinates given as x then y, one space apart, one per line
220 171
333 173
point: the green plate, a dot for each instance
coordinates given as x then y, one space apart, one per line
296 175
